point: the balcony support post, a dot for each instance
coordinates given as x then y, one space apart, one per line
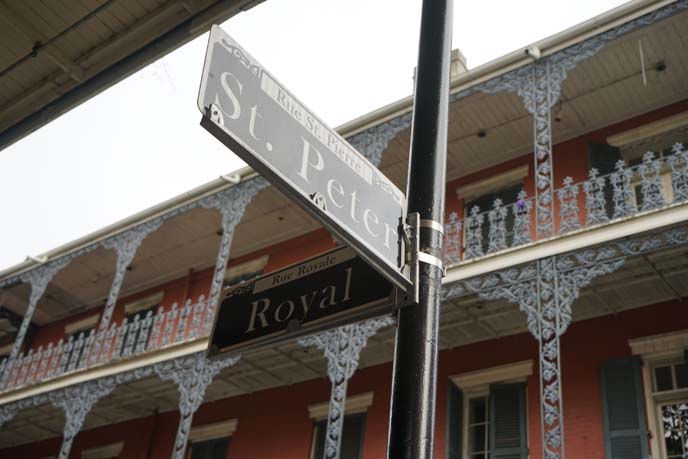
125 245
342 348
76 402
192 374
545 290
38 280
232 204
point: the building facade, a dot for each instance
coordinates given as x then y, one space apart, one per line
563 328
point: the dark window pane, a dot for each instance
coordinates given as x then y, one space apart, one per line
663 378
478 438
211 449
478 410
681 376
508 196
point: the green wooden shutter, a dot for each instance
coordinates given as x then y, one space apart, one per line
604 157
625 433
454 417
508 438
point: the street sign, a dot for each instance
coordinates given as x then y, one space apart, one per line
249 111
332 288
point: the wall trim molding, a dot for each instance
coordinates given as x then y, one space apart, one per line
648 130
83 324
213 430
353 405
511 372
103 452
660 346
143 303
493 183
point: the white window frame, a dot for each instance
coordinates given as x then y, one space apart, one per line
80 325
494 183
253 265
210 431
103 452
475 384
656 350
143 303
354 405
213 431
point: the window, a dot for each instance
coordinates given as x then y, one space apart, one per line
210 449
352 437
485 203
658 137
604 157
478 428
245 271
78 332
211 441
487 413
352 432
664 378
139 308
111 451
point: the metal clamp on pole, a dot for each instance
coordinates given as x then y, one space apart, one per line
410 233
413 255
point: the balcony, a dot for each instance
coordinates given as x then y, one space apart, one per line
145 333
653 189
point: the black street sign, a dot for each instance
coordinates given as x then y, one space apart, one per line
249 111
332 288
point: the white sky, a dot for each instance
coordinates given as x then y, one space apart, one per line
139 143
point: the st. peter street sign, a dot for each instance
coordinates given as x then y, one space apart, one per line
249 111
326 290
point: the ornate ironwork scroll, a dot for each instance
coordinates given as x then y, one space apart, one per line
374 141
342 348
545 290
192 374
125 244
38 279
76 402
232 204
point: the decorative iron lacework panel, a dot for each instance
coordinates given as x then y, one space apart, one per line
191 373
654 184
545 290
342 348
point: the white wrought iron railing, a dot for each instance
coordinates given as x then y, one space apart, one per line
145 332
653 184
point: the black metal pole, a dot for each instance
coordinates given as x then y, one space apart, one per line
412 416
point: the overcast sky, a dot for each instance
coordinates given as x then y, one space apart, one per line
139 142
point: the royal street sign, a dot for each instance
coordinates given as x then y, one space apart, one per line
335 287
248 110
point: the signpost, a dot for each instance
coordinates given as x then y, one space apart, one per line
247 109
334 287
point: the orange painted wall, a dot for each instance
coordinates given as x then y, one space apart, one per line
274 423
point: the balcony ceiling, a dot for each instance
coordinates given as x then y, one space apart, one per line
55 55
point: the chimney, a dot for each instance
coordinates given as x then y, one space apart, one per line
458 63
457 66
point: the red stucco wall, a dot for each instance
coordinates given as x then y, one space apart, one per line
274 424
